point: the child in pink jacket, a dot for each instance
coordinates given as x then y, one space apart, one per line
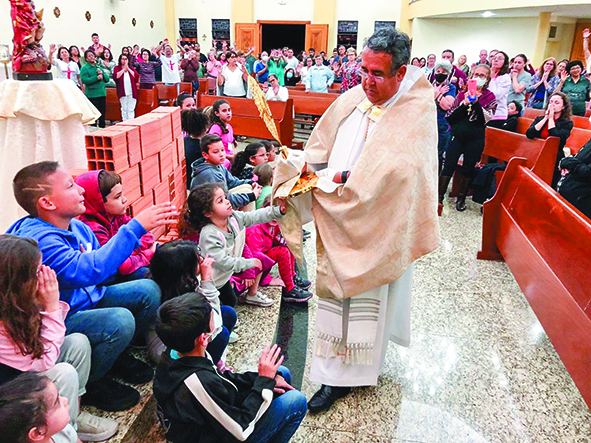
266 238
106 212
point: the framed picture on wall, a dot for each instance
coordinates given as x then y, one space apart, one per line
384 25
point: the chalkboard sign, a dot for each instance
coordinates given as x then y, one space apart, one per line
384 25
346 27
220 29
188 27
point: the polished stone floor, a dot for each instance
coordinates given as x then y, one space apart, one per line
479 369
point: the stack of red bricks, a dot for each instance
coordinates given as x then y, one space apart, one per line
149 154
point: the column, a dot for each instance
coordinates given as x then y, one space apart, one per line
541 38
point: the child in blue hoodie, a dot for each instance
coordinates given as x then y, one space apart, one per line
210 169
108 315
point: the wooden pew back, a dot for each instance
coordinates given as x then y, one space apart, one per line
147 101
246 117
578 136
311 103
545 242
540 154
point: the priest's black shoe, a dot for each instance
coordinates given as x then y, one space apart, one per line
325 397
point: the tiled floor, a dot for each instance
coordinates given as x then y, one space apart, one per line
480 367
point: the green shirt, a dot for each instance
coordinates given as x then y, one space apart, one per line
578 93
94 87
278 69
264 193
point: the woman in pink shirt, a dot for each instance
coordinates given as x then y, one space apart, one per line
33 334
213 66
221 115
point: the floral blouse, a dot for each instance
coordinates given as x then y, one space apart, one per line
351 76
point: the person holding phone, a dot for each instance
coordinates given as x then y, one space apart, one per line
467 118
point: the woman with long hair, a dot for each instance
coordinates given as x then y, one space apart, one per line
126 80
66 67
500 85
233 77
543 84
556 122
106 61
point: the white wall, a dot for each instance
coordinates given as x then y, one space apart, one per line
72 28
367 13
203 11
293 10
468 36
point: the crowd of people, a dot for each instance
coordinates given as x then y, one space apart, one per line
82 282
494 92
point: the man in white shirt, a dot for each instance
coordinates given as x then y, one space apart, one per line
292 62
170 64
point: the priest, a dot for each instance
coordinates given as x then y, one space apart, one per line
378 141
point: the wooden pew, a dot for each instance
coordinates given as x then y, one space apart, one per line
186 87
331 90
147 102
166 94
578 121
311 103
246 118
578 136
503 145
540 154
545 242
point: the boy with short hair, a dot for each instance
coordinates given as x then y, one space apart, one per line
108 316
201 404
105 214
210 169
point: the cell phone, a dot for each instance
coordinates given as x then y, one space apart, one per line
472 87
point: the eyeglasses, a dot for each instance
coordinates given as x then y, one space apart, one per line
262 155
366 75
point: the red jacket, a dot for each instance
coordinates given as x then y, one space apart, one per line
133 76
96 217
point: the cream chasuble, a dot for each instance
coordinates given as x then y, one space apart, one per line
352 335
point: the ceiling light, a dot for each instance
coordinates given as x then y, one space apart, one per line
488 14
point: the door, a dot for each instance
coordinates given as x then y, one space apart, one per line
577 52
247 36
317 38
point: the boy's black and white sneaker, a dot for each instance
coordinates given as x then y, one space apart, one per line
301 282
296 295
110 395
131 370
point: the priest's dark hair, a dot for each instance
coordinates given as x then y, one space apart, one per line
393 42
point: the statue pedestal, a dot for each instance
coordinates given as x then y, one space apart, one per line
39 120
33 76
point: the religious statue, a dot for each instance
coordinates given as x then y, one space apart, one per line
29 60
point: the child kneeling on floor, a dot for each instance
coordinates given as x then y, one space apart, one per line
198 403
105 213
222 236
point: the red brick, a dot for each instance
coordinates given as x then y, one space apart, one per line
161 193
141 204
175 118
150 173
150 133
158 232
166 162
132 188
181 148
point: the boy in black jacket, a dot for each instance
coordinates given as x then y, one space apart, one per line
199 403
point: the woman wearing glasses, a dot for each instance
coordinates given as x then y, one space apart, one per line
276 92
233 77
467 118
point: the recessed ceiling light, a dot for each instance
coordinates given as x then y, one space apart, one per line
488 14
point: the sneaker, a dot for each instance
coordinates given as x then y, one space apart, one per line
233 337
296 295
93 428
110 395
131 370
302 282
258 300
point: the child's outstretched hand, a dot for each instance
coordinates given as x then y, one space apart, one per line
205 265
48 288
282 205
157 215
256 189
